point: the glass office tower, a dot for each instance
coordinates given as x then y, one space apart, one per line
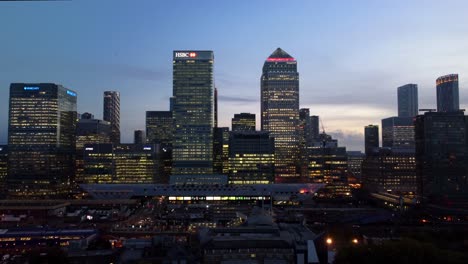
408 100
41 139
193 112
371 138
447 93
280 112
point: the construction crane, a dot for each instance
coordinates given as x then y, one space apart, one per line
324 140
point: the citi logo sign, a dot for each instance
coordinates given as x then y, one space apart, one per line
185 54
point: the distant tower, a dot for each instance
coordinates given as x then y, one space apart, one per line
215 107
314 121
139 137
408 100
243 122
371 138
306 127
112 114
193 89
280 112
447 93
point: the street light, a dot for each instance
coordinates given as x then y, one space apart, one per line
355 241
329 241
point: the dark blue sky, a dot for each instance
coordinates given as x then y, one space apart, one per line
352 55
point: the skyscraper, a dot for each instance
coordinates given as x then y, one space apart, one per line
193 112
408 100
280 112
243 122
41 139
112 114
447 93
139 137
371 138
215 108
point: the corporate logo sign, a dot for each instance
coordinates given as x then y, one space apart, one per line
185 54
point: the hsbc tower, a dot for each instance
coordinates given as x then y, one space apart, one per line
193 91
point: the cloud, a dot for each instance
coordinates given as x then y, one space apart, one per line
235 99
350 139
132 72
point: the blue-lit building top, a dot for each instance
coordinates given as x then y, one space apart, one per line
41 138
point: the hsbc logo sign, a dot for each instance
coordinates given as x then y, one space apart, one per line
185 54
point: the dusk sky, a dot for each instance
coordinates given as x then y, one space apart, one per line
352 55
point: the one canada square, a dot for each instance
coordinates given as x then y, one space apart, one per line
193 91
280 112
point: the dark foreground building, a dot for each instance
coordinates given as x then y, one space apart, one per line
442 156
390 170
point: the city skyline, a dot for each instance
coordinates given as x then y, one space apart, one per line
348 85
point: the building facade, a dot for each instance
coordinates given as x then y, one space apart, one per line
390 170
442 156
120 164
111 114
243 122
159 127
41 139
280 112
447 93
251 158
398 132
221 150
193 90
355 159
3 166
89 131
408 100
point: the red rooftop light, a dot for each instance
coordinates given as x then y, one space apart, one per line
280 59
